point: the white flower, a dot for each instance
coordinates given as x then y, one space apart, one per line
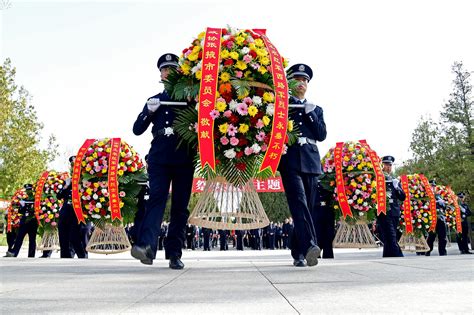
95 196
257 100
350 201
256 148
98 205
95 216
245 50
270 109
230 154
233 105
361 213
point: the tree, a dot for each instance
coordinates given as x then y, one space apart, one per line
444 150
21 158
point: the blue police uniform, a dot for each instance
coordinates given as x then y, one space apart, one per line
167 163
440 229
142 197
28 225
69 229
463 237
206 235
324 222
299 169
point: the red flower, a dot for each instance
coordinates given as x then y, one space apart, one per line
239 154
224 31
243 142
228 62
241 166
233 119
253 54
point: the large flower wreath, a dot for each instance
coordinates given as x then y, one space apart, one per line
359 166
452 211
244 108
420 215
95 186
13 214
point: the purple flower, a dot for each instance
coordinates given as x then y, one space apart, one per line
260 136
248 101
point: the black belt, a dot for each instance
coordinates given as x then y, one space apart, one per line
160 132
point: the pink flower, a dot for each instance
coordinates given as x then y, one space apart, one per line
227 113
122 194
220 99
53 223
248 101
231 130
234 141
247 58
239 74
260 136
264 147
259 124
242 109
224 140
47 220
214 114
248 151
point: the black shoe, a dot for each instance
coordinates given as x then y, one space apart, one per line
467 252
9 254
176 263
43 257
143 254
299 263
312 255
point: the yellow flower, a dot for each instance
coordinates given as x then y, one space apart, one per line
89 191
51 216
100 144
359 167
239 40
373 196
359 157
193 56
49 204
104 171
234 55
221 106
360 200
223 128
265 120
353 184
102 199
185 68
285 62
121 204
261 52
196 49
265 61
241 65
94 155
346 158
262 70
290 125
350 168
252 46
268 97
120 172
243 128
201 35
364 188
225 54
225 77
373 184
96 185
259 42
252 110
198 74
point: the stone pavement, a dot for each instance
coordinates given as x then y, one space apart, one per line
249 282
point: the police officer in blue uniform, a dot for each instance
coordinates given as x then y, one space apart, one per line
69 229
167 163
388 223
28 225
463 238
142 197
300 168
440 226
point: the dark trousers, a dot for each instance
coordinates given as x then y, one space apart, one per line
442 241
29 227
161 177
323 218
11 238
240 240
285 241
388 229
302 195
463 238
206 240
70 234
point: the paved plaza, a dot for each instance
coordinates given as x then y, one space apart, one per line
232 282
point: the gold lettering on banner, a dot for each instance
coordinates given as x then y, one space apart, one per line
205 135
208 78
207 90
210 54
205 122
209 66
206 103
211 45
273 156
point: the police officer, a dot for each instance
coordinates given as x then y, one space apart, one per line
388 223
68 227
325 222
206 236
463 237
167 163
300 168
440 226
28 225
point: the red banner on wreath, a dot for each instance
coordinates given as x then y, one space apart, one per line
280 117
341 191
9 219
430 193
39 194
114 200
207 95
380 189
406 205
456 208
76 175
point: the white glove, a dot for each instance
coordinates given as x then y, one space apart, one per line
152 104
68 182
22 203
309 107
395 182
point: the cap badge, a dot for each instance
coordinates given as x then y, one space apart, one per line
301 68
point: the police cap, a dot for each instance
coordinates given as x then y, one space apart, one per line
388 159
432 182
28 186
300 70
72 158
461 195
167 60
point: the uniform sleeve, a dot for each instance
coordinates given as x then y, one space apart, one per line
316 123
399 193
143 121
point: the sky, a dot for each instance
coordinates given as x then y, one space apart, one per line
379 66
